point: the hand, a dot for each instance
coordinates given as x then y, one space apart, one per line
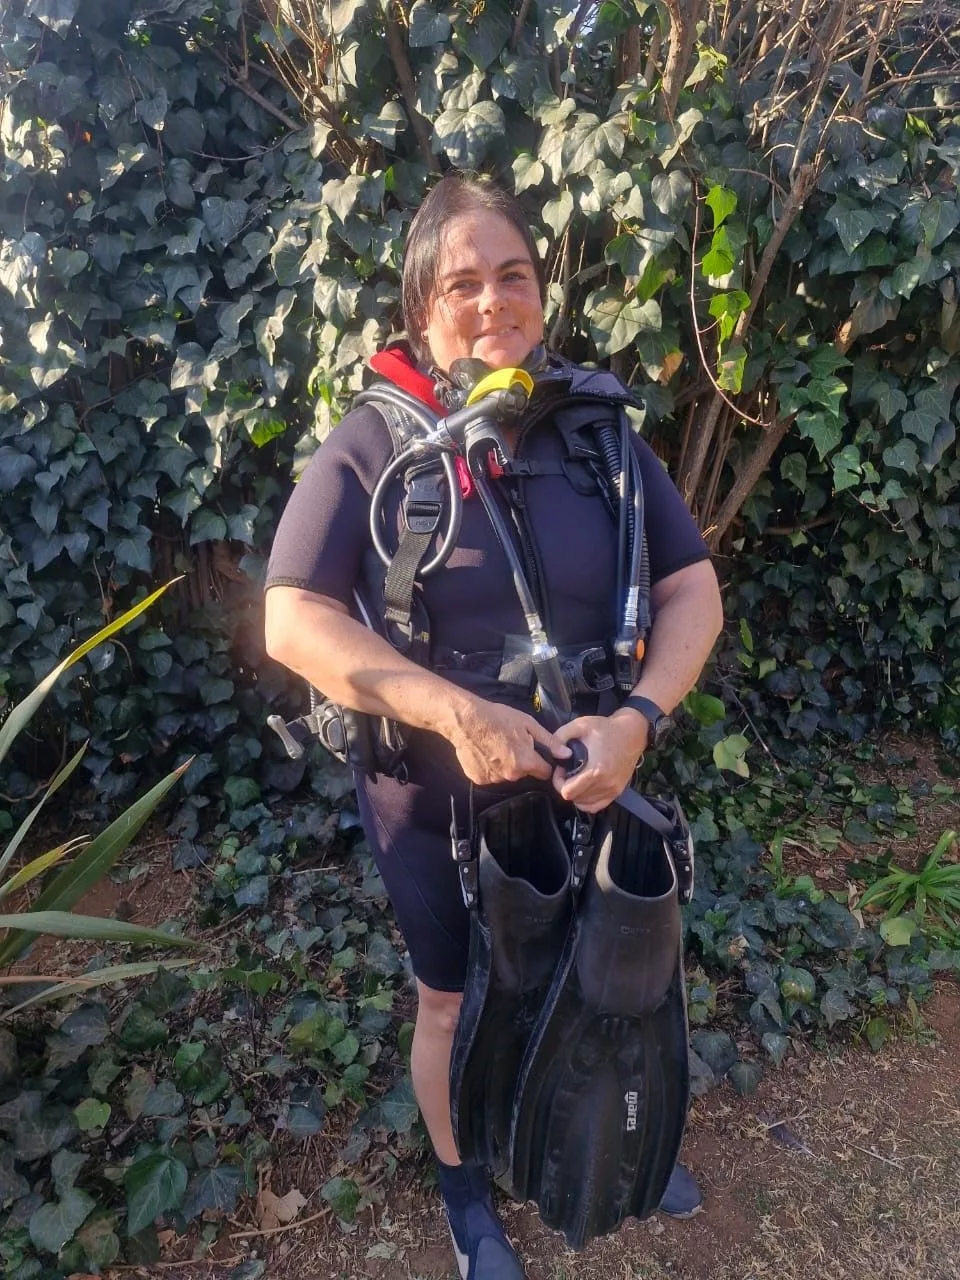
495 743
614 746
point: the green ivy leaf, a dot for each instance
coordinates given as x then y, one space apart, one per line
54 1224
938 219
557 213
426 26
385 125
528 171
776 1044
793 469
897 931
671 192
207 526
217 1188
154 1184
465 136
730 367
399 1109
822 428
616 321
729 754
225 219
153 110
343 1196
721 202
853 222
903 455
836 1007
727 307
92 1114
719 260
705 708
484 33
847 468
588 140
99 1241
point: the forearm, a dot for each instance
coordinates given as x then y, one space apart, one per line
356 667
677 648
686 624
688 618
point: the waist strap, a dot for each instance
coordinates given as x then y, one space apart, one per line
587 668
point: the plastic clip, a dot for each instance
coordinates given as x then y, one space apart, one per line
582 851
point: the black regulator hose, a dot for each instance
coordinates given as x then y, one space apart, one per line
428 424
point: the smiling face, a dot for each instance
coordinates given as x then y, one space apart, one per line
486 304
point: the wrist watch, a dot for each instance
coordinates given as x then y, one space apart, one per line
660 723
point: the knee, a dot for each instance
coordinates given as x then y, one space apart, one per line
438 1011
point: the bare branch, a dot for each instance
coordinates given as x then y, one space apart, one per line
401 64
748 477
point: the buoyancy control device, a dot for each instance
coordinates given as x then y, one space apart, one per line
439 459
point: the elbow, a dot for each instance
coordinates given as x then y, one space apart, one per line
716 613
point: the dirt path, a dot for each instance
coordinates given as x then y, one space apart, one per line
861 1181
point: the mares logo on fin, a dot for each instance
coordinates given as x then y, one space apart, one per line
632 1099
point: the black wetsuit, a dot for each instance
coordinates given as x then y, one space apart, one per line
320 545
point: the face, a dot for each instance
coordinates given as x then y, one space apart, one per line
487 301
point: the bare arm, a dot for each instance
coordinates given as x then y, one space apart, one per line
315 636
688 617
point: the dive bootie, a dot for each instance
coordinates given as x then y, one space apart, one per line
483 1251
516 878
603 1092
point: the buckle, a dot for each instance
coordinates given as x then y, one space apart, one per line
582 671
467 869
422 517
582 850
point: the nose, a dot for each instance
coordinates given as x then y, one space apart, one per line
491 298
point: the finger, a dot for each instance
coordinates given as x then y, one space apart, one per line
554 744
572 729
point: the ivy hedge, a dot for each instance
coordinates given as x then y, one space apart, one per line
201 210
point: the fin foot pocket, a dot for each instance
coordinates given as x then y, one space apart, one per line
517 932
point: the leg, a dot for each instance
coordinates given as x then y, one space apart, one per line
430 1065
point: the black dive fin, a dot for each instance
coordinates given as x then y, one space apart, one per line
520 915
602 1098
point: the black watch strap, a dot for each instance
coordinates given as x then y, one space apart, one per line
657 718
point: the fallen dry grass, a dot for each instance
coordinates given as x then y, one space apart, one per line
861 1183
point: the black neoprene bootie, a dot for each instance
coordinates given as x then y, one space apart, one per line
682 1198
483 1251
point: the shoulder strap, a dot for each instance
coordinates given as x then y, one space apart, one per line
422 510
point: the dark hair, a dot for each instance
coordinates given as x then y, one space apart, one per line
453 195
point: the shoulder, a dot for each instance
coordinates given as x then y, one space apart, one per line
360 442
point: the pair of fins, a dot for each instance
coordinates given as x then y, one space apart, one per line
569 1074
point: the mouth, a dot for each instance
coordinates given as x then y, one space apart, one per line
497 333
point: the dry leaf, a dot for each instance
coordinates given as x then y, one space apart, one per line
277 1211
852 897
669 365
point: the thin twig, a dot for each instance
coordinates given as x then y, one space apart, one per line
750 721
276 1231
868 1152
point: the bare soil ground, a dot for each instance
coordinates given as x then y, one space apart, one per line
843 1165
862 1180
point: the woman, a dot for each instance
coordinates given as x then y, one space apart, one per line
473 287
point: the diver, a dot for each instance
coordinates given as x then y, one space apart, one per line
448 656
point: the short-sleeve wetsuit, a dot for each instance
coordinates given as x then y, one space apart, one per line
472 605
